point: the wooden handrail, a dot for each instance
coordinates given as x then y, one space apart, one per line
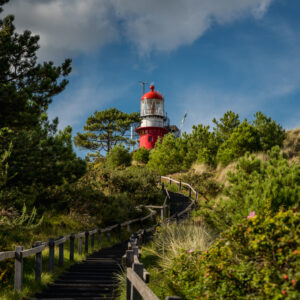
19 253
136 275
140 285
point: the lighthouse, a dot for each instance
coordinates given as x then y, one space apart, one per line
153 119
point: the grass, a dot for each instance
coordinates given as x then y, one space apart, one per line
30 286
171 239
168 242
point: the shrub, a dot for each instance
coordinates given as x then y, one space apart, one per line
167 156
255 186
271 134
141 155
201 146
256 259
244 138
226 125
118 156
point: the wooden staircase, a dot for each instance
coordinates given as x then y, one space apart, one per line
95 278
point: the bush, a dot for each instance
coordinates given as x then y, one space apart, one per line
226 125
271 134
244 138
256 259
255 186
141 155
167 156
201 146
118 156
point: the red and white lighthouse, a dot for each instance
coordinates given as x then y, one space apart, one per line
153 119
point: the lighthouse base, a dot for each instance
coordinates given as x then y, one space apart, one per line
149 136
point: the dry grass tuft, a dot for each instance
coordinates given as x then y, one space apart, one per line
200 168
174 238
221 172
291 145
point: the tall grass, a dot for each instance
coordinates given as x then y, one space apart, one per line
170 240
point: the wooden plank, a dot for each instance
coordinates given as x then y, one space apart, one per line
18 269
93 231
140 285
32 251
72 246
86 242
7 255
38 263
80 234
61 252
51 255
138 268
61 240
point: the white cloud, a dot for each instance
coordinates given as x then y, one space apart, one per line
69 27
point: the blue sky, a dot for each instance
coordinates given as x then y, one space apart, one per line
204 56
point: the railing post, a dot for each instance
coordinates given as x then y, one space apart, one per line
190 191
18 269
138 268
61 253
170 180
72 246
129 262
99 237
51 255
162 213
38 262
92 241
80 245
86 246
162 186
128 228
179 186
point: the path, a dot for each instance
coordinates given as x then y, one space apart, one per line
95 278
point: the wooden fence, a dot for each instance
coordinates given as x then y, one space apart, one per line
136 276
84 239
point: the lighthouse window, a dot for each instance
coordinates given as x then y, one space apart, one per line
149 138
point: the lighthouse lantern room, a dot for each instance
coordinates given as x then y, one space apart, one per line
153 119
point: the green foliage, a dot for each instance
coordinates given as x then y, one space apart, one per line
118 156
34 155
244 138
226 125
141 155
204 184
256 259
271 133
138 183
105 129
201 146
255 186
167 156
26 88
25 220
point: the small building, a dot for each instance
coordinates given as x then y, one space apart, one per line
154 122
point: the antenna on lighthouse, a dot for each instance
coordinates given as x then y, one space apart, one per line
143 83
182 122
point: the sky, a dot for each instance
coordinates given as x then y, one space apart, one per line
204 56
